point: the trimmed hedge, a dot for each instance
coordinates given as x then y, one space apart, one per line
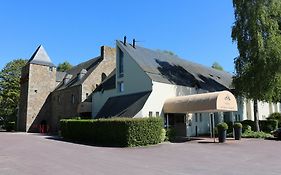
246 123
268 125
114 131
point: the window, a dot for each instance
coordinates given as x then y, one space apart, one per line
59 101
157 114
121 62
87 94
121 86
150 114
196 117
72 99
200 117
51 69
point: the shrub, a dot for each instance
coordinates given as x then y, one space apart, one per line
246 128
171 134
275 116
237 125
252 134
249 123
163 135
222 126
230 127
10 126
268 125
114 131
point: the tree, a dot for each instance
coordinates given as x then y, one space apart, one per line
258 66
10 89
217 66
65 66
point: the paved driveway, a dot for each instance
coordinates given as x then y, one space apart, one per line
30 154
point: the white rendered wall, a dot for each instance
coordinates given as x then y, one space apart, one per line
162 91
264 109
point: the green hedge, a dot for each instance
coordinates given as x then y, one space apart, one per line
246 123
275 116
268 125
114 131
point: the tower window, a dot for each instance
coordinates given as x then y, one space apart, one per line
103 76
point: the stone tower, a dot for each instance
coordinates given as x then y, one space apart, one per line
38 80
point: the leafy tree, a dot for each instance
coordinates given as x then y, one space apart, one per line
217 66
258 66
65 66
10 89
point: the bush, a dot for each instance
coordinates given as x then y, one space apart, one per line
114 131
275 116
268 125
10 126
171 134
163 135
246 128
222 126
249 123
237 125
252 134
230 127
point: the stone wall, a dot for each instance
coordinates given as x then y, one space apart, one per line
64 106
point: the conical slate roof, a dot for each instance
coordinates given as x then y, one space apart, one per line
41 57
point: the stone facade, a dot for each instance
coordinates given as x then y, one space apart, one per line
42 99
34 95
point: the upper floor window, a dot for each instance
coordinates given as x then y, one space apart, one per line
157 114
196 117
150 113
121 86
72 99
120 63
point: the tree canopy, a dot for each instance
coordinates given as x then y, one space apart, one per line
10 89
217 66
65 66
257 33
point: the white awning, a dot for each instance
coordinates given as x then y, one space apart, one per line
84 107
221 101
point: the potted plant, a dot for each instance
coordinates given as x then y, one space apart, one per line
222 127
237 131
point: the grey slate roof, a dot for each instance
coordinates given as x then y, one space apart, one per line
166 68
41 57
89 66
123 106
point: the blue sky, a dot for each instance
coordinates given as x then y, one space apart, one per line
74 30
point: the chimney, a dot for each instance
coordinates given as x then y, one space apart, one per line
134 43
107 52
125 40
67 78
81 74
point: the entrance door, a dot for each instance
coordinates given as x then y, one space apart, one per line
177 121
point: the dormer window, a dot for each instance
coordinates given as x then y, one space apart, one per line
120 63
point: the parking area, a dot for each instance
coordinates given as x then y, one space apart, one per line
22 153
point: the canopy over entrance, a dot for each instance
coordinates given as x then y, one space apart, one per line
221 101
